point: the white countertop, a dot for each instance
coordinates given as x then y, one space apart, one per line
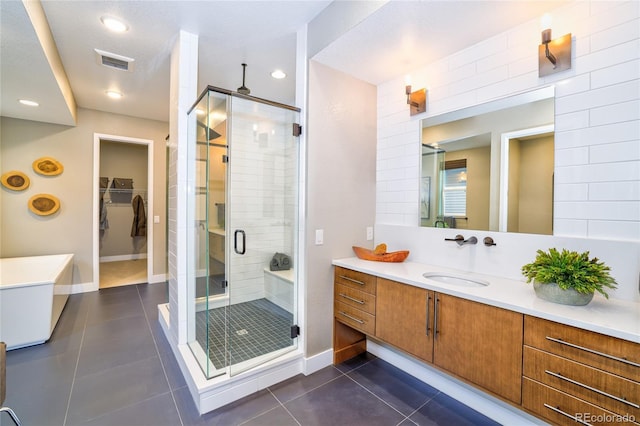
612 317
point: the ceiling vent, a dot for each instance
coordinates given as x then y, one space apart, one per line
113 60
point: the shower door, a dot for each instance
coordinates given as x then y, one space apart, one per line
262 218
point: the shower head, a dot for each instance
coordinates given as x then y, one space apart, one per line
244 89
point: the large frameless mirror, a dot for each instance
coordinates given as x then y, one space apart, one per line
490 167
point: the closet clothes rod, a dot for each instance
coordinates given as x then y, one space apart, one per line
120 204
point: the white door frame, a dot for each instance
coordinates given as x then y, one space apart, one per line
505 138
97 138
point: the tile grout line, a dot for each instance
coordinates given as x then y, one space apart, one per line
75 370
285 408
383 401
155 344
407 417
312 389
423 404
293 399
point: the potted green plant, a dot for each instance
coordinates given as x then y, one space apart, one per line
568 277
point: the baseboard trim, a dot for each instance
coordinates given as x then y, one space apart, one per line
158 278
486 404
79 288
317 362
133 256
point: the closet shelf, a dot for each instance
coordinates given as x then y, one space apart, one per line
124 191
133 192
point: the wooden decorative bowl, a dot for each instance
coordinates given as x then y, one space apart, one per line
47 166
44 204
367 254
15 180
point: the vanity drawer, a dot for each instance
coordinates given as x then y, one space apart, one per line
563 409
355 317
354 279
611 354
603 389
358 299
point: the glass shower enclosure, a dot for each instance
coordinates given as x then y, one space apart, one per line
242 226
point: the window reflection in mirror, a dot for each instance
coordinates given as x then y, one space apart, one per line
490 167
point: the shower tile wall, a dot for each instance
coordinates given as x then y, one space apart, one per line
263 195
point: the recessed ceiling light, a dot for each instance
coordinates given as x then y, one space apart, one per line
279 74
114 24
114 94
28 102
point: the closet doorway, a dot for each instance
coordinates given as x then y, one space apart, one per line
123 201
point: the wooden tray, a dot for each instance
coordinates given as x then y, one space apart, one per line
367 254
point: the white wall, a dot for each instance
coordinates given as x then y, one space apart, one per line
70 230
597 118
340 187
597 142
182 95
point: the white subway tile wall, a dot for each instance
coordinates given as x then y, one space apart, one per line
184 79
597 170
263 165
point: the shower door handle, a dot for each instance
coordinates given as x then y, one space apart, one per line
235 241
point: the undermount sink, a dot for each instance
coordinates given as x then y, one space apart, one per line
459 280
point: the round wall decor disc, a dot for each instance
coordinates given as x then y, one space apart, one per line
15 180
44 204
47 166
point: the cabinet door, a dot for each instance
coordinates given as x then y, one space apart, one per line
480 343
404 317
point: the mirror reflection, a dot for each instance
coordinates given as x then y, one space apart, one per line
490 167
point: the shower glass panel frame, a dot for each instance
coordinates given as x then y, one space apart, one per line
241 211
431 186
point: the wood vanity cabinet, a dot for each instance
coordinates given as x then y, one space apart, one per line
405 318
572 374
354 311
562 374
478 343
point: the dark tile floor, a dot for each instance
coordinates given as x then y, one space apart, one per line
251 329
108 363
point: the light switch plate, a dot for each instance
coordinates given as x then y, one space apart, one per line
156 219
319 237
369 233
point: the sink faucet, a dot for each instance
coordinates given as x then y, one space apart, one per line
459 239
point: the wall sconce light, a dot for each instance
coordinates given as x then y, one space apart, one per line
553 55
417 100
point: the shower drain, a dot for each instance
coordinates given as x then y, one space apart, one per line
242 332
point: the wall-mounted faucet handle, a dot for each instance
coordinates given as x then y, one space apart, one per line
458 239
488 241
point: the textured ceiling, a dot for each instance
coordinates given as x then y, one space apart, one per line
397 38
405 35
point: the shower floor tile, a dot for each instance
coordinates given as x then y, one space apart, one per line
254 328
